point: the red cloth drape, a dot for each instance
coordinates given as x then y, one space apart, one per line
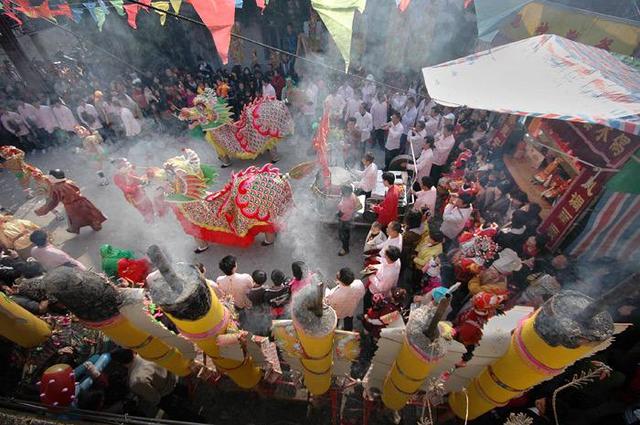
320 145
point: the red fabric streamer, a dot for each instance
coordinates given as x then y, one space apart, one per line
467 3
320 145
43 10
132 13
63 10
9 12
218 16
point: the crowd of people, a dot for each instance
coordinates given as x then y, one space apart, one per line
467 229
125 107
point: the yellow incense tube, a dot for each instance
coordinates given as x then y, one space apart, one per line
20 326
421 349
204 331
407 375
528 361
121 331
318 360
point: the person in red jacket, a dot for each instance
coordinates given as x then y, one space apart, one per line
387 210
131 185
469 324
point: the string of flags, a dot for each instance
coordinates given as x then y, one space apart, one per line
217 15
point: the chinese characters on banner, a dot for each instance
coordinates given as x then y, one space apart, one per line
597 144
584 188
602 146
501 136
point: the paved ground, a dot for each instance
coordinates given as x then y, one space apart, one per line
303 239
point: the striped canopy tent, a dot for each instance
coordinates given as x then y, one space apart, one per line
613 229
546 76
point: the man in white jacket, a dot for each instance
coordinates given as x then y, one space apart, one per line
364 123
368 176
456 214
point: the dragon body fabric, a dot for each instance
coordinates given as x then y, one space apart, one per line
253 201
262 124
30 178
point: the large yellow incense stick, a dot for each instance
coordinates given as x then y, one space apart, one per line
421 349
315 325
191 304
95 301
20 326
542 346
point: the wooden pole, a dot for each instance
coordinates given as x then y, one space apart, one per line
431 330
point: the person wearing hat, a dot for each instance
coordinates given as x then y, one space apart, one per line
449 119
80 211
468 326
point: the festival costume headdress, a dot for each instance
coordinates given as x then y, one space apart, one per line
484 302
208 111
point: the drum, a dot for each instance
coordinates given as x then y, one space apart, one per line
339 177
394 165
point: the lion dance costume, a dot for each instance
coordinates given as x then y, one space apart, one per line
252 202
262 124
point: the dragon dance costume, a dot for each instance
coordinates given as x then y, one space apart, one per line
12 159
32 180
262 124
252 202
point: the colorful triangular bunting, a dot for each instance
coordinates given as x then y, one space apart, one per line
118 6
77 12
91 7
100 18
337 16
132 13
162 5
175 4
218 16
103 7
63 10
